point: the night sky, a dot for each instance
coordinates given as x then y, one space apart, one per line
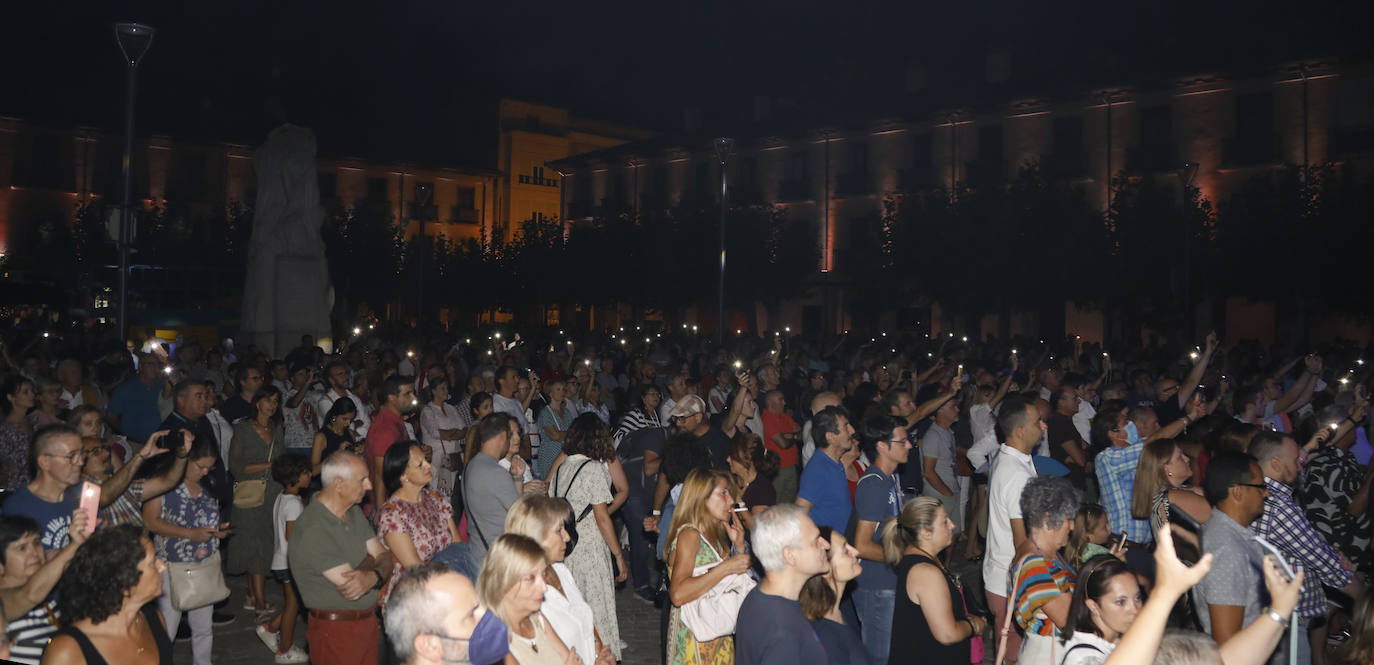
395 70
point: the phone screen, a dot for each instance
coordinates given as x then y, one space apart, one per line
90 504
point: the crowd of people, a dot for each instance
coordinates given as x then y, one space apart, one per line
913 498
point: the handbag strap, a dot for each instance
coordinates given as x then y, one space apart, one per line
588 507
472 519
1006 621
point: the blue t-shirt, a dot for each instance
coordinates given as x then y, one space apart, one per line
823 483
54 519
876 498
771 630
136 405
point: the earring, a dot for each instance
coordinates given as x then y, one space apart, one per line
1171 474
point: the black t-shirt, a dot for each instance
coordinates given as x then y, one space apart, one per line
718 445
771 630
1061 429
842 643
631 452
1168 410
760 493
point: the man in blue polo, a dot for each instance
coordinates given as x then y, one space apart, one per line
824 490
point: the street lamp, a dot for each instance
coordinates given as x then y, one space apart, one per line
134 40
723 147
423 194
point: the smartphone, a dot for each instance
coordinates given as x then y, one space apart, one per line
1278 556
90 503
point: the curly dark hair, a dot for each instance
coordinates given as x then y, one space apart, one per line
589 436
103 569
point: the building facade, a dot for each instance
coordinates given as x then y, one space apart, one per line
1226 130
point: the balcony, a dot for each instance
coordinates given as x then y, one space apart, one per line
463 215
791 191
1066 167
1260 149
1352 141
915 179
982 172
526 179
855 183
1152 159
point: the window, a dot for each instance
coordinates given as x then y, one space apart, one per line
858 157
376 189
990 144
329 184
467 198
1068 138
799 167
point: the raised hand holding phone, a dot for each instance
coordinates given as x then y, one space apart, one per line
90 505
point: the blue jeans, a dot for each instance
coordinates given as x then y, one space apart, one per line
875 620
634 511
1280 655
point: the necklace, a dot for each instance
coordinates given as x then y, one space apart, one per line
534 628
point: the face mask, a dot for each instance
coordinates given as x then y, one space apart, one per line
489 642
1132 434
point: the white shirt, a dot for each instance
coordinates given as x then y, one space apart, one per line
983 450
570 616
224 432
361 421
1095 653
980 420
1082 421
666 409
287 508
1010 471
808 446
716 394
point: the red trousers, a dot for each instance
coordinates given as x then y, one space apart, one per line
343 642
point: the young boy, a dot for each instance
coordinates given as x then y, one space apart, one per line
293 472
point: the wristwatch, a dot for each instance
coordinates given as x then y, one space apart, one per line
1272 614
380 580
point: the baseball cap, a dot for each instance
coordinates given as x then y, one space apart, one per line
689 405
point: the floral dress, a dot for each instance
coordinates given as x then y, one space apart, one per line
683 648
190 512
425 521
590 561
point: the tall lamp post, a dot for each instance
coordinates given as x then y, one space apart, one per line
423 194
134 40
723 147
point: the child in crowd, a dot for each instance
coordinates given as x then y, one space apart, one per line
1090 534
293 472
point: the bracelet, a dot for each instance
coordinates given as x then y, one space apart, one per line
657 513
972 630
1269 612
381 581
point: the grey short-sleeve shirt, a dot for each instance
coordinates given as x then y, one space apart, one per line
488 493
1237 574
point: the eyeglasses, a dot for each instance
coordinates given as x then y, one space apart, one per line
97 449
1258 486
71 457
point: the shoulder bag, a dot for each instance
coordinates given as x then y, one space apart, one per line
197 584
570 523
252 493
1011 609
713 615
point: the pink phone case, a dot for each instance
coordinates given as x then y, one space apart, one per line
90 502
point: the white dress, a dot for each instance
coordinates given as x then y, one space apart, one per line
590 561
570 615
432 419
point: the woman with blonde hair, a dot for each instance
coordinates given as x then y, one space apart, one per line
704 531
1162 493
1359 649
929 599
543 519
512 585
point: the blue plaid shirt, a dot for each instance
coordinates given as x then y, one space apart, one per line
1116 478
1285 526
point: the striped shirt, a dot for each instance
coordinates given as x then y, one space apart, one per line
1038 582
30 633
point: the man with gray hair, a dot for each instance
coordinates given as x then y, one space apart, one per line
337 563
771 628
435 617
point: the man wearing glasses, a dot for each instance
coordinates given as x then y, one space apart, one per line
1229 597
127 506
54 491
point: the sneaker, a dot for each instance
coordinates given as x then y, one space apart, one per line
271 639
222 618
184 632
646 594
293 655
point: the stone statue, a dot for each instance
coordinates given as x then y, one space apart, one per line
286 291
